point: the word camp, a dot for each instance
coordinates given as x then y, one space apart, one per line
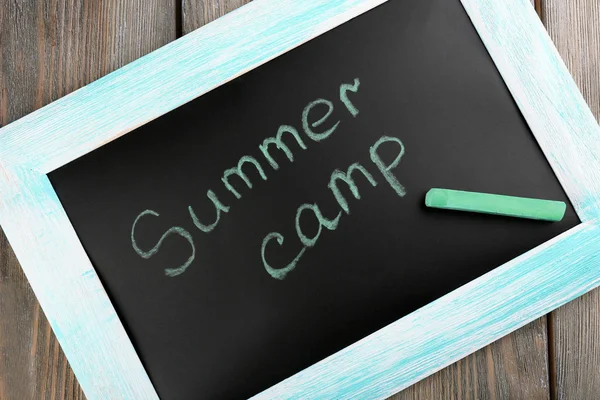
316 130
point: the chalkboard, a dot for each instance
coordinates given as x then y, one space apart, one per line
268 224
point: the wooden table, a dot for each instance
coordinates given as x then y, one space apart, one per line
49 48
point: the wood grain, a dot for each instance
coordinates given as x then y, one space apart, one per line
47 50
514 367
574 27
575 328
32 364
197 13
48 59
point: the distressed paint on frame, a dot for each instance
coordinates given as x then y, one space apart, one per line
427 340
455 325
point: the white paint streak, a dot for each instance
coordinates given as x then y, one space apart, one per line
444 331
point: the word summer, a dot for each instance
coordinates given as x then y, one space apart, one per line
316 129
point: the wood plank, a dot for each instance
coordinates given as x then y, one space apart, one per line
513 367
205 16
575 29
47 50
197 13
575 328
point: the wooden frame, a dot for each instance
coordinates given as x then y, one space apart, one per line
381 364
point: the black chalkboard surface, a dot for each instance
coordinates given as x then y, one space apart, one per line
408 95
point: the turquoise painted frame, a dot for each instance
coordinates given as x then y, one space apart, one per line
381 364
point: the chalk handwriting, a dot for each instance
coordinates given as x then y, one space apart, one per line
310 127
175 230
347 178
333 224
277 141
317 137
279 273
385 169
344 96
218 206
330 224
238 171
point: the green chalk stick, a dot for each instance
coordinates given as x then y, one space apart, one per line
520 207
